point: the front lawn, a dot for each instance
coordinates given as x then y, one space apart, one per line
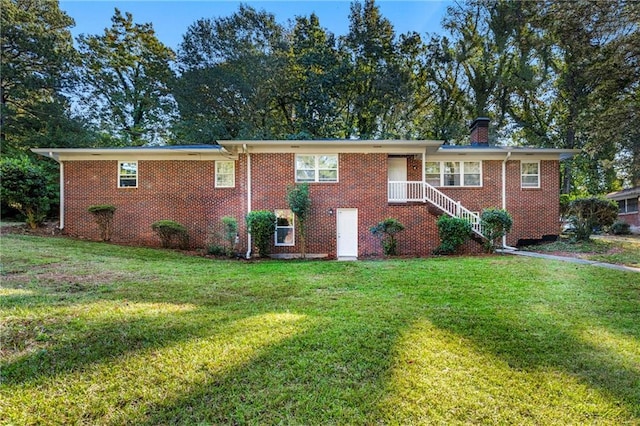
102 334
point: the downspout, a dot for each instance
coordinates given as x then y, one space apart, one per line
504 197
249 242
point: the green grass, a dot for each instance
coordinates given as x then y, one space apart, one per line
616 250
101 334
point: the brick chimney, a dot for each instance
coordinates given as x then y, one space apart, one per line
480 132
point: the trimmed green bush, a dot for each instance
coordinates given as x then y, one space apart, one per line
586 214
171 233
453 233
261 224
496 223
620 228
103 215
387 230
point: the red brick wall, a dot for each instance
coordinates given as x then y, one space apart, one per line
632 219
177 190
184 191
535 211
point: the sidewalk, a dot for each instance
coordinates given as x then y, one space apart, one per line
571 259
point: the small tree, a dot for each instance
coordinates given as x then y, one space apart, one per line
230 232
300 204
587 213
103 215
262 225
387 230
453 232
171 232
496 223
24 188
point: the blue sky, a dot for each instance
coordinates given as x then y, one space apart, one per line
170 19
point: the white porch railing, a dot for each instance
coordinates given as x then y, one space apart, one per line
399 192
402 192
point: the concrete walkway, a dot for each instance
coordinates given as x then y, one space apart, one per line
571 259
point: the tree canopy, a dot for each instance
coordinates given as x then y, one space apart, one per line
547 74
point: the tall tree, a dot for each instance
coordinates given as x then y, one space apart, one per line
377 81
234 81
585 39
37 56
124 78
445 120
316 67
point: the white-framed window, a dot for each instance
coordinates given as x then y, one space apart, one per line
127 174
629 205
225 174
316 168
285 228
454 173
530 174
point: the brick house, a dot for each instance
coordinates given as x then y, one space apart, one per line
354 184
628 211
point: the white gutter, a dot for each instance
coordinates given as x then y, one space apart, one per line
504 197
249 242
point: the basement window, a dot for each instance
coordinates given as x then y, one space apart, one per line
127 174
285 228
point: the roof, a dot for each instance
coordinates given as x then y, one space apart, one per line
475 149
625 193
109 152
230 148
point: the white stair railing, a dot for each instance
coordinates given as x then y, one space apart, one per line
452 208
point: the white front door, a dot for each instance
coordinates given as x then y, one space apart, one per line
347 233
397 172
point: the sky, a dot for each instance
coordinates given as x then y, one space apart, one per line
171 19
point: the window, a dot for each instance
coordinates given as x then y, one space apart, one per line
316 168
432 173
127 174
285 228
454 173
530 172
630 205
225 174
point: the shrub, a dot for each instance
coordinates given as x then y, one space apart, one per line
300 203
24 188
230 233
103 215
261 224
620 228
453 232
217 250
496 223
388 229
171 233
586 214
